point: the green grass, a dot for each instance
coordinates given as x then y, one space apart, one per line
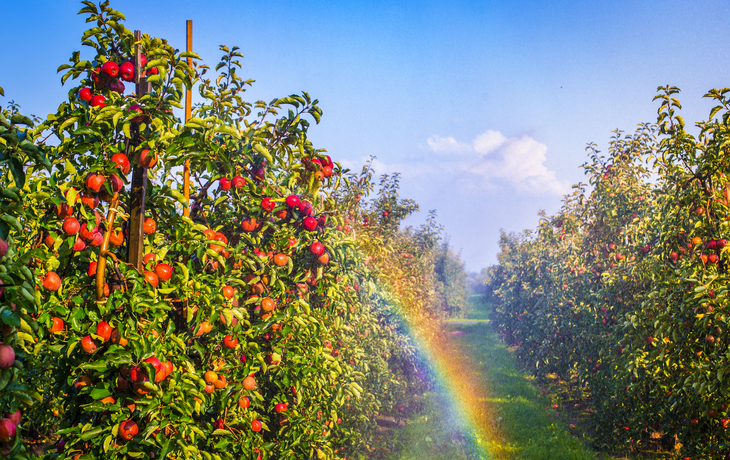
432 435
529 430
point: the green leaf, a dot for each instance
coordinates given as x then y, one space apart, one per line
18 173
12 221
68 166
99 393
264 152
99 366
89 130
86 435
187 54
5 375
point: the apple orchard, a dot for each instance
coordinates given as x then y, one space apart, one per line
249 311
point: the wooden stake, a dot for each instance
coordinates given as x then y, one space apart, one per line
138 194
188 106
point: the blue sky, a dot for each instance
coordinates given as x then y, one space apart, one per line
485 108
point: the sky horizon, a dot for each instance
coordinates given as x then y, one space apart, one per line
484 108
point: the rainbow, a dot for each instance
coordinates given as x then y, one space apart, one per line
467 397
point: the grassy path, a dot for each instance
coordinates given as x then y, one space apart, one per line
522 426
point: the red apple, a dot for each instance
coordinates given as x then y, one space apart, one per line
7 430
116 183
98 239
149 257
85 94
128 429
15 417
309 223
85 233
230 342
52 281
94 182
267 204
244 402
249 383
98 101
163 271
116 238
96 75
137 108
122 162
57 325
7 355
316 248
152 278
305 207
238 181
126 71
116 86
292 201
224 184
147 159
104 330
79 245
150 226
312 164
138 375
259 173
88 344
71 226
158 366
90 201
110 68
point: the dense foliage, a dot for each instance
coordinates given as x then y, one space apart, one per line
259 319
624 291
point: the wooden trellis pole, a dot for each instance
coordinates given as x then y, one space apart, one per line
188 106
138 194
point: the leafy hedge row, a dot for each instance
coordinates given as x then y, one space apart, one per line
257 324
624 292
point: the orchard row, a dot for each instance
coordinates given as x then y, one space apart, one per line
255 319
624 292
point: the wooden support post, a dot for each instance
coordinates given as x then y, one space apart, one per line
188 104
138 194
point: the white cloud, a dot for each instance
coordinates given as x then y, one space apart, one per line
446 145
488 142
492 160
